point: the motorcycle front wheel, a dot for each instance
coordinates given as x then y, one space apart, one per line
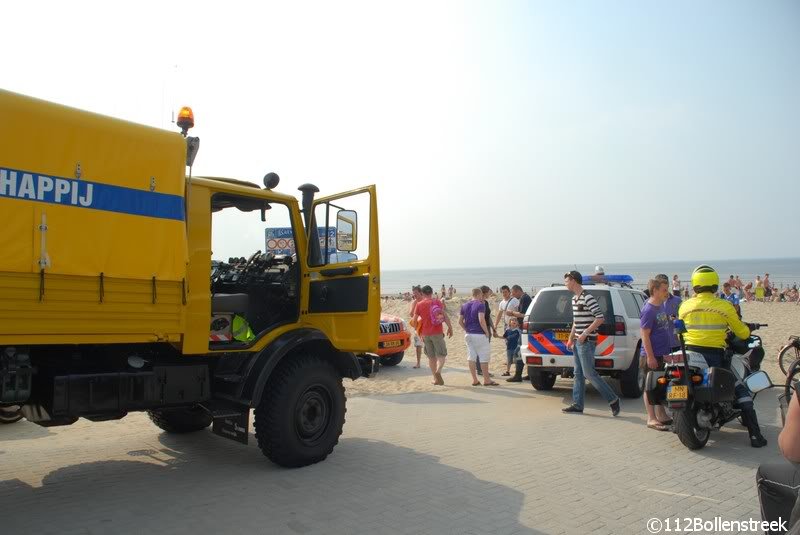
691 435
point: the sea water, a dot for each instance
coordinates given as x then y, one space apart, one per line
782 272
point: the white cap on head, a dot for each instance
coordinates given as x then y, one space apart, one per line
598 270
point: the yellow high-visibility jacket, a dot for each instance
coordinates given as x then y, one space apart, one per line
708 319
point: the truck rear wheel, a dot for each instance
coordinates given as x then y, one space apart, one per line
10 415
300 416
181 419
393 359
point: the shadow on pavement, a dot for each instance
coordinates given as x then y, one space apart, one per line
201 484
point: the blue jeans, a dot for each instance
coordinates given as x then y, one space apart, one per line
584 369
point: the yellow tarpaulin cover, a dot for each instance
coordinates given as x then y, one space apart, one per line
83 194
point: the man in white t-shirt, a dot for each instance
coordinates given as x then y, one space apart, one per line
509 303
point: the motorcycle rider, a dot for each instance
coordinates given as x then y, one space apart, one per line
707 320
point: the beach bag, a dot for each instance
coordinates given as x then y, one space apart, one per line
437 312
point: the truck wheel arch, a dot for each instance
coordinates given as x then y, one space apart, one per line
261 365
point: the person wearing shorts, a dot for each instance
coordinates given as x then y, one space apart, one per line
432 332
416 292
656 342
416 339
473 320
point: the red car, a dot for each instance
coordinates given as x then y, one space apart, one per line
393 341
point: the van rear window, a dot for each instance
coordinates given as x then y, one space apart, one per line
556 306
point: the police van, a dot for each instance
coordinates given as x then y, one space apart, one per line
548 322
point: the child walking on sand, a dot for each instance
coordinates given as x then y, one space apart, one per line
512 336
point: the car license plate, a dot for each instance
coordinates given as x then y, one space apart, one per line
678 393
562 336
392 343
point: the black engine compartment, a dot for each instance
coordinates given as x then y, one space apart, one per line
269 280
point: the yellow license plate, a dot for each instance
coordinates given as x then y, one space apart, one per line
392 343
678 392
562 336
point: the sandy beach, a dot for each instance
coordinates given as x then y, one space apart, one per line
783 320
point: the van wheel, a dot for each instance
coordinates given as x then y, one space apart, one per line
300 416
631 382
541 380
181 419
392 360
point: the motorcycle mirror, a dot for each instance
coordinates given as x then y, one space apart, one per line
680 326
758 381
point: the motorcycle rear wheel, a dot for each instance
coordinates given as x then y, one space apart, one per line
690 434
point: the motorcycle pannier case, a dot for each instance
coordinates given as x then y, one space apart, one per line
656 393
718 385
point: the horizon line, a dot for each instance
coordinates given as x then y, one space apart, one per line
595 263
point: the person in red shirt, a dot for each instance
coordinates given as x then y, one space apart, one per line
431 314
416 292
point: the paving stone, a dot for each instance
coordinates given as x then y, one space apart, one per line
456 461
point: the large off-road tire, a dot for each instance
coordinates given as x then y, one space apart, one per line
631 382
181 420
393 359
10 415
300 416
691 436
541 380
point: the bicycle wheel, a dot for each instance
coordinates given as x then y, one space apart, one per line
789 354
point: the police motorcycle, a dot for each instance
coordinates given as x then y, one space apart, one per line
701 397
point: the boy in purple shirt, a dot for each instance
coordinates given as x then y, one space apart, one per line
472 319
656 342
672 304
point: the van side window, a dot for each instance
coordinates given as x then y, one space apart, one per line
631 307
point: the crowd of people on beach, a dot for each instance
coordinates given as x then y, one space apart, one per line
760 289
429 317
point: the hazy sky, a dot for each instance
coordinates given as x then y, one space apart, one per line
498 133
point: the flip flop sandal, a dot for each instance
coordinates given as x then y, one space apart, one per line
476 384
667 422
491 384
658 427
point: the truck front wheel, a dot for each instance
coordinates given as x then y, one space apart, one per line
300 416
181 419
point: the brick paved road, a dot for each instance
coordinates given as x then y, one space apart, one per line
464 460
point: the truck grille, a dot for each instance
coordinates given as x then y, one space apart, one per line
390 327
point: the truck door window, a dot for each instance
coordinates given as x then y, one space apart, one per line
350 215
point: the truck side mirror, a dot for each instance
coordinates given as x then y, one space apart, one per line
346 230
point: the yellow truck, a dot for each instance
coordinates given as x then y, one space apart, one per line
127 284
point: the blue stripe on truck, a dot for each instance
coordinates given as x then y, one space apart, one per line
25 185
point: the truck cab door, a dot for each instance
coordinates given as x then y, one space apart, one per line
341 289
